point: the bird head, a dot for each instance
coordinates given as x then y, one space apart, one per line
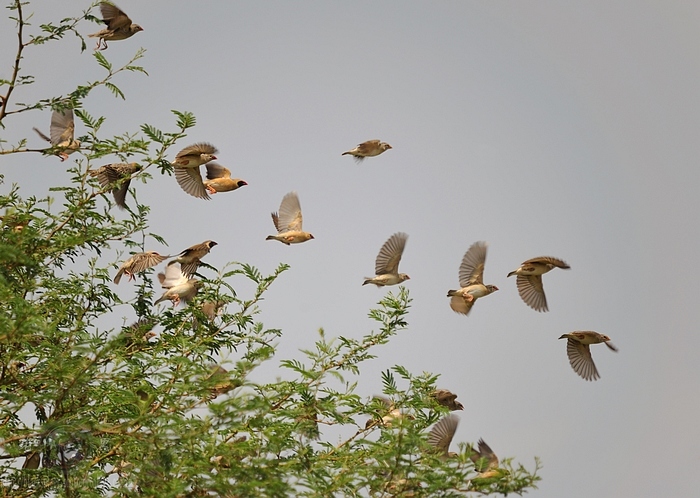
211 243
241 183
385 146
135 28
491 288
207 157
404 277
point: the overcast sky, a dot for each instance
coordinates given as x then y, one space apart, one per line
568 129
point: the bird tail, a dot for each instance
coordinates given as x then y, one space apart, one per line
270 237
511 274
451 293
347 153
118 276
368 280
42 135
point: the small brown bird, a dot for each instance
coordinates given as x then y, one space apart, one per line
471 278
117 176
211 308
190 258
187 163
440 436
219 179
288 222
447 399
393 414
370 148
387 264
578 349
137 263
178 286
485 460
119 26
61 131
529 280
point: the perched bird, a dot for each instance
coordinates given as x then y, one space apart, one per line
178 286
117 176
219 179
485 460
137 263
387 265
119 26
578 349
529 280
288 222
61 131
471 278
393 414
370 148
211 308
190 258
187 163
440 436
447 398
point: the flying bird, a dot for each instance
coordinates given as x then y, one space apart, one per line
61 131
117 176
578 349
191 257
440 436
137 263
485 461
178 286
119 26
370 148
288 222
529 280
471 278
219 179
387 264
447 398
186 165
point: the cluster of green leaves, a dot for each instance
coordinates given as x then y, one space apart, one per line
89 409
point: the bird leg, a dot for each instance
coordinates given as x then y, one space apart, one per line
176 300
210 189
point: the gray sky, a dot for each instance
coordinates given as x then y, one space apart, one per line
568 129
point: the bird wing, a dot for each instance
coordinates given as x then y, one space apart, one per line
146 260
390 254
62 126
581 360
440 436
289 218
190 181
114 17
471 271
172 277
215 170
548 260
532 292
368 146
460 305
197 149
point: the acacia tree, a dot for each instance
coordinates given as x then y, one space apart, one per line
130 411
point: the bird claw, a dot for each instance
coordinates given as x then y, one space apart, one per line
210 189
